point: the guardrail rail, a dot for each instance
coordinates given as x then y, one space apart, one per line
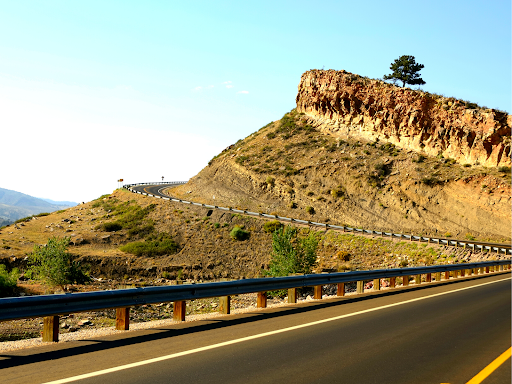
50 307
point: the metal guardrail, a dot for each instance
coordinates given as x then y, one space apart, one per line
474 245
60 304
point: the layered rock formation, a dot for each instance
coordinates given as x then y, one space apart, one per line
344 104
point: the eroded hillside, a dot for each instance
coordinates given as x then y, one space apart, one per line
291 168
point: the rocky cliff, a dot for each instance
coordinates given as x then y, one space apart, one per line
348 105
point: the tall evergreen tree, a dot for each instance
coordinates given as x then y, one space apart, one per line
406 70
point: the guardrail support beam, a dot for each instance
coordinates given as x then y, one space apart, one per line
462 272
317 292
438 276
261 301
405 281
292 295
376 284
123 319
225 305
341 289
179 309
417 279
51 329
392 282
360 286
428 278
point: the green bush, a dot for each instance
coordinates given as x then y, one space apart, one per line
238 233
154 246
272 226
504 169
111 227
55 266
291 254
310 210
8 281
270 181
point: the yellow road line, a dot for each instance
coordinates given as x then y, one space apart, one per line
491 367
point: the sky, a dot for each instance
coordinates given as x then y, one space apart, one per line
95 91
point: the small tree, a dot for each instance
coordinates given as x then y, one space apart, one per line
406 70
54 265
291 254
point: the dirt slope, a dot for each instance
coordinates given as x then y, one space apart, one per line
291 168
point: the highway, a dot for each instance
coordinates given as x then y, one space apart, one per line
434 333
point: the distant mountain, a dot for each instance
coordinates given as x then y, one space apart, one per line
60 203
15 205
4 222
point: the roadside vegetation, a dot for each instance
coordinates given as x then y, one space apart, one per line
8 281
52 264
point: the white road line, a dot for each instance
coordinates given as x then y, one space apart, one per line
265 334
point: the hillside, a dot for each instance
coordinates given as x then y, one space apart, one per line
300 167
202 246
15 205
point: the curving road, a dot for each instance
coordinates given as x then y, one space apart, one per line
157 190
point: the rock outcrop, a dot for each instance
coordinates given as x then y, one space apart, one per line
345 104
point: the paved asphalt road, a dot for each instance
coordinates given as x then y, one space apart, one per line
435 333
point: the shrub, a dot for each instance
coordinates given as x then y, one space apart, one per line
54 265
272 226
8 280
216 225
336 193
430 181
270 181
292 205
154 246
504 169
238 233
310 210
111 227
291 254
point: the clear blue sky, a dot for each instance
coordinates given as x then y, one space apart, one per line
94 91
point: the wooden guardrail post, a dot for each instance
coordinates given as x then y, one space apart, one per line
428 278
292 295
392 282
179 309
447 275
261 301
225 305
317 292
405 281
376 284
340 289
360 286
123 319
487 269
438 276
462 272
51 329
417 279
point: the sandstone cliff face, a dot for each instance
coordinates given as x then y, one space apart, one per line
347 105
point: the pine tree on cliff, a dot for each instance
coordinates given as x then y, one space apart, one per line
406 70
